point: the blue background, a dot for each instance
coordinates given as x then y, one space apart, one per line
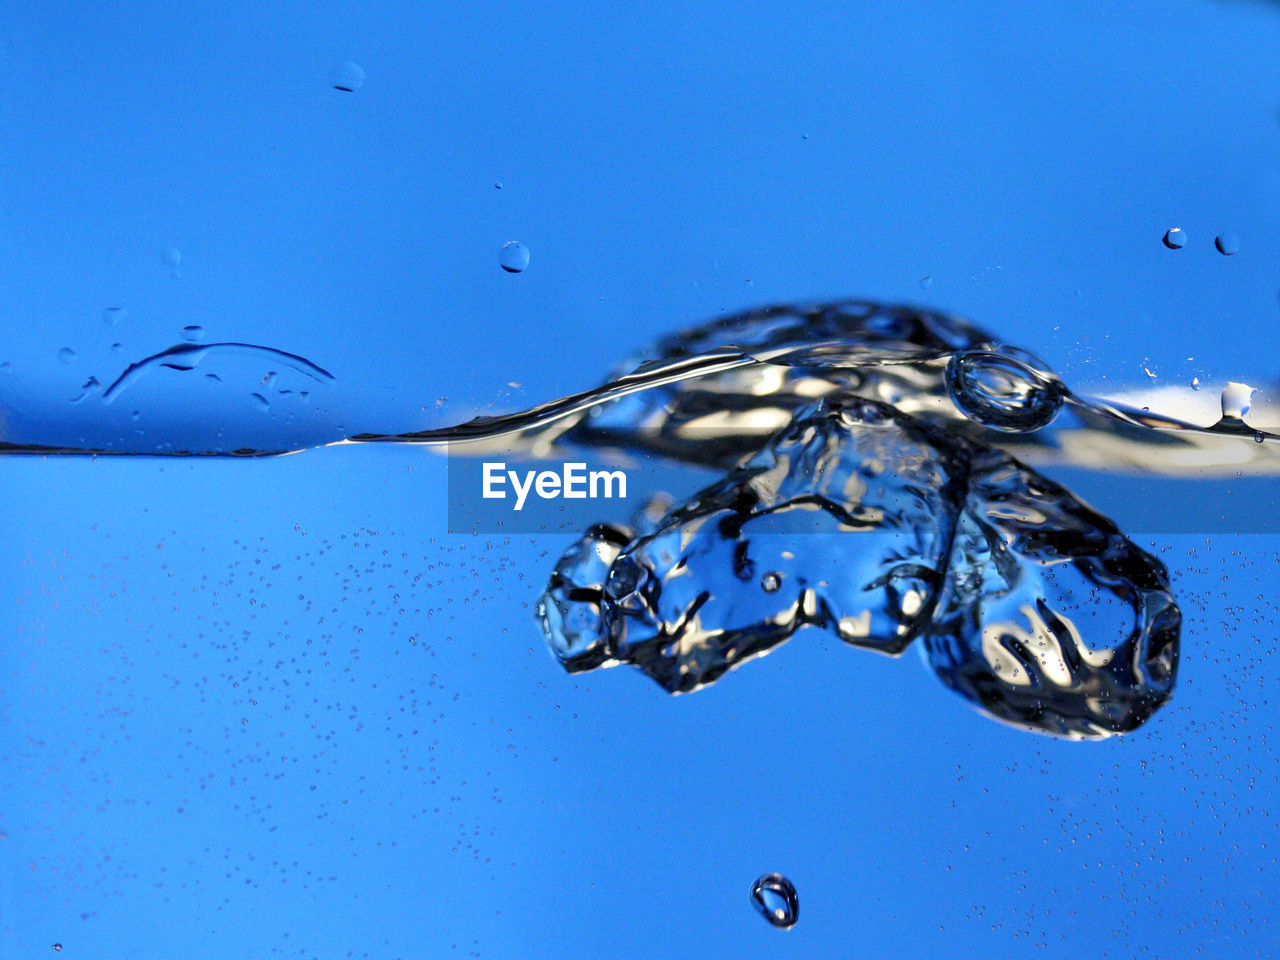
272 708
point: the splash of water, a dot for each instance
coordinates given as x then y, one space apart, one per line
881 485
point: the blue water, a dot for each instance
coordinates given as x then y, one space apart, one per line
258 708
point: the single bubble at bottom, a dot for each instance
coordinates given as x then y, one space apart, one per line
774 897
514 257
347 77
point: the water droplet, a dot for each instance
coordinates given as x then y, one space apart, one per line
260 402
113 315
514 257
774 896
1258 437
67 355
1003 391
770 582
1175 239
1228 244
1236 399
117 348
194 334
347 77
926 283
497 185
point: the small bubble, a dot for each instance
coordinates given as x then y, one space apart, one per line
1175 239
1228 244
193 334
67 355
774 897
497 184
1258 437
135 415
625 577
514 257
214 377
172 256
926 283
260 402
57 947
770 582
117 348
1195 383
113 315
347 77
6 367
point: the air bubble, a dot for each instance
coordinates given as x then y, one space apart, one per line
347 77
514 257
67 355
1175 239
1003 391
193 334
774 897
1228 244
770 582
260 402
113 315
117 348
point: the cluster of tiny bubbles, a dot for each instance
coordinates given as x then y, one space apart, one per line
774 897
1175 239
1228 244
193 333
67 355
1006 390
514 257
347 77
113 315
